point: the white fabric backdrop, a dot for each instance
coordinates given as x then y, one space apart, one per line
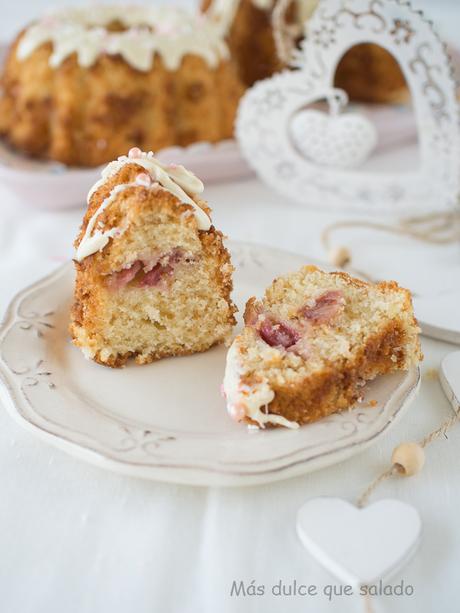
77 539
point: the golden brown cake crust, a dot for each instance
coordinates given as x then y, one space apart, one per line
89 116
91 295
251 41
337 388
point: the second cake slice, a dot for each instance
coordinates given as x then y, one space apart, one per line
310 345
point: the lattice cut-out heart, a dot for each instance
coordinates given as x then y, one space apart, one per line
277 134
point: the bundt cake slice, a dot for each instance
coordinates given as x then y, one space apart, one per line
153 278
310 345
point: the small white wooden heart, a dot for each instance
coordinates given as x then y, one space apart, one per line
340 141
359 546
450 378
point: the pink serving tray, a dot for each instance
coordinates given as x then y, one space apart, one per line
52 185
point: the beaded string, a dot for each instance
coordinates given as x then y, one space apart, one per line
439 228
403 459
407 460
368 603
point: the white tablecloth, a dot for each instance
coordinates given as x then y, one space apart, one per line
74 538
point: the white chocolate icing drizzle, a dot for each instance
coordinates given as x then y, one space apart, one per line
245 401
175 179
171 33
97 240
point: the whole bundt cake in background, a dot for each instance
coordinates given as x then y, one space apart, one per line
153 276
82 86
247 26
368 73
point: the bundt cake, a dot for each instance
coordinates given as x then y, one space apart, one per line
153 278
310 345
247 25
367 72
82 86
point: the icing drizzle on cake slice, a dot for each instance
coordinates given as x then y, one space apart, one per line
176 179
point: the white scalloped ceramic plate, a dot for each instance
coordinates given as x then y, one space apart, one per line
166 420
438 315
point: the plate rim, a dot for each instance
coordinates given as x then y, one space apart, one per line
439 333
195 474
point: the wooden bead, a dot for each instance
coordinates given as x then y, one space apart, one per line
339 256
409 458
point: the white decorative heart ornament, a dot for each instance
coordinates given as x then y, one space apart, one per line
296 150
359 546
341 141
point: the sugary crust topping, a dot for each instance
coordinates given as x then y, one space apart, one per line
144 32
175 179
